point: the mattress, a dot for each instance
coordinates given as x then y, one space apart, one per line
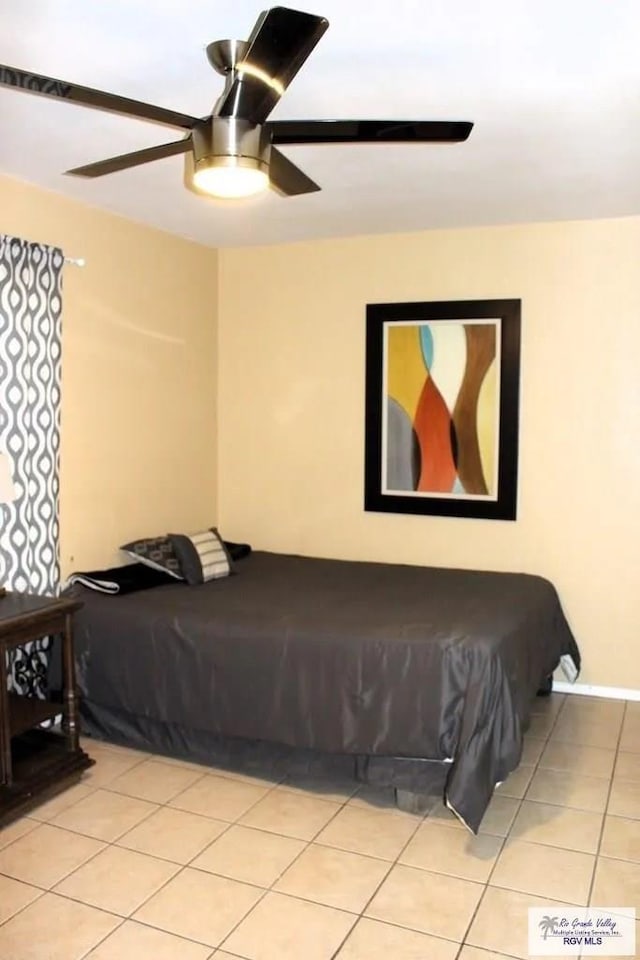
345 657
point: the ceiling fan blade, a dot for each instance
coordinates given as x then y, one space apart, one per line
279 44
88 97
288 179
369 131
127 160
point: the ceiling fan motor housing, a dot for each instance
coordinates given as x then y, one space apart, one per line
230 142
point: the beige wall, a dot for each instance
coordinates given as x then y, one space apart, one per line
291 401
138 431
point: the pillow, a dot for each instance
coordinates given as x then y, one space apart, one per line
237 551
202 556
118 581
155 552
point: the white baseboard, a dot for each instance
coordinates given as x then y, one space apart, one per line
587 690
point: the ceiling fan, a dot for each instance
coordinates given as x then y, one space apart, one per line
234 151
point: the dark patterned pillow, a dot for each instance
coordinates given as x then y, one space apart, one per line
237 551
156 552
202 556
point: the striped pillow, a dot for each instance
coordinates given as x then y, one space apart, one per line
202 556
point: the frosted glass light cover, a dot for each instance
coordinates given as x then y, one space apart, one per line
230 182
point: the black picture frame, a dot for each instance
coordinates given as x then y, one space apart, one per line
475 319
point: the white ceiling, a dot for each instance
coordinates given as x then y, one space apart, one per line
553 87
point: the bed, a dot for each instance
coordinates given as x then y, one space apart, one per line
421 678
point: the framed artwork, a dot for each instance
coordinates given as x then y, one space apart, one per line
442 392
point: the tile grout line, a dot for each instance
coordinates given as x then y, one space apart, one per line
214 771
184 866
102 939
114 843
230 824
76 802
521 800
396 862
181 867
308 844
51 890
606 808
392 865
158 804
41 894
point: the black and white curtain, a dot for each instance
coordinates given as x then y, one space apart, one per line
30 352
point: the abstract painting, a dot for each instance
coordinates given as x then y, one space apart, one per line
442 408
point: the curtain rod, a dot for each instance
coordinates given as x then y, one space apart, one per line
72 261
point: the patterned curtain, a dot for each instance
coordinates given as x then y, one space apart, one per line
30 349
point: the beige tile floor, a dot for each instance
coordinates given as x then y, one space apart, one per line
155 858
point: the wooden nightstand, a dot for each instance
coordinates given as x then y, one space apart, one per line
36 763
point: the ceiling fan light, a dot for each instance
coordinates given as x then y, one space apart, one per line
230 177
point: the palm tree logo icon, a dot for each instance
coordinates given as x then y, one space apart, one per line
548 925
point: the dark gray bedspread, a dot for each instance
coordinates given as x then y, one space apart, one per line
345 657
